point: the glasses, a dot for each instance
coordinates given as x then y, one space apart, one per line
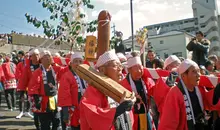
115 65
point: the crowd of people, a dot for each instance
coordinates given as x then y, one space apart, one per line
55 96
6 37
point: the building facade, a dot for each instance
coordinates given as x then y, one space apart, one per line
206 19
170 43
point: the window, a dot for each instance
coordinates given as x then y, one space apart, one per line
161 42
202 26
166 55
149 44
202 16
178 54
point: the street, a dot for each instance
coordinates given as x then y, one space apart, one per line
8 121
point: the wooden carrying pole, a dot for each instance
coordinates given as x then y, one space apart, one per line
104 84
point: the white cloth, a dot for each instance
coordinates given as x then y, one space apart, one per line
44 52
133 86
128 56
171 59
188 102
106 57
134 61
57 54
121 56
80 86
76 55
34 51
186 64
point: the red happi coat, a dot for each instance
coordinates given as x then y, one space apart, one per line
19 70
25 77
174 110
95 112
2 76
7 70
36 86
68 96
149 84
159 94
89 63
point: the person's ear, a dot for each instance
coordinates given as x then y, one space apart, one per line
183 75
129 70
102 70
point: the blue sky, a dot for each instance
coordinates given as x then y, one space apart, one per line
146 12
12 15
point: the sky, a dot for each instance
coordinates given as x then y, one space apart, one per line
146 12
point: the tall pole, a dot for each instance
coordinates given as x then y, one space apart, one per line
132 28
114 31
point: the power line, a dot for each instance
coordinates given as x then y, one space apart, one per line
12 16
16 17
19 26
5 26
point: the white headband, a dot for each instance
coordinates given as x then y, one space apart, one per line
121 56
171 59
134 61
106 57
34 51
76 55
185 65
45 52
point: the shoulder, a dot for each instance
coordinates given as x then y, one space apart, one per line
125 84
92 92
38 71
124 81
20 64
175 92
161 80
148 80
68 75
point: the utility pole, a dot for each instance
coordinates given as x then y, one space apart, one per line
132 28
113 27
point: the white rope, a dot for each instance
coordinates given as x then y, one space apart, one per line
54 41
106 21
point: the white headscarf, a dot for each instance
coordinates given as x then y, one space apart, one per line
171 59
185 65
106 57
132 61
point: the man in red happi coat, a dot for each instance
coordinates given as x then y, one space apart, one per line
2 79
70 92
163 84
136 81
20 65
30 66
43 87
99 112
185 104
10 83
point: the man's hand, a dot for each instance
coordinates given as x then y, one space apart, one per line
126 104
138 103
132 98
